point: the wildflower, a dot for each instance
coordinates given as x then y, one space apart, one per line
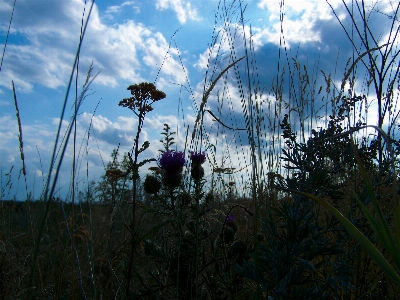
209 198
172 163
228 235
143 95
114 175
197 171
239 248
230 218
197 157
230 222
155 170
260 237
184 198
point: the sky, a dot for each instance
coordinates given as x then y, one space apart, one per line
180 45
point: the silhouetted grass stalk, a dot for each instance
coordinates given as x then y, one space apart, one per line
384 73
46 195
23 170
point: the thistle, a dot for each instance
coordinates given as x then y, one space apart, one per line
172 163
197 171
151 185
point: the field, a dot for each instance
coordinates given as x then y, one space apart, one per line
313 212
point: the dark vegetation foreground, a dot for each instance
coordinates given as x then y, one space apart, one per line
312 211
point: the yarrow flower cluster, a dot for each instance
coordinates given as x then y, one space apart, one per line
143 95
172 161
114 174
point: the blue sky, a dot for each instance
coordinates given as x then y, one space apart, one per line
128 41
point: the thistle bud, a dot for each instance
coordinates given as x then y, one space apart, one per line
151 185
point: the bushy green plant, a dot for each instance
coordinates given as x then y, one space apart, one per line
296 257
322 167
307 254
113 185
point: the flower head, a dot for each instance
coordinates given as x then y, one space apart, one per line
230 218
198 158
151 184
114 174
172 161
143 95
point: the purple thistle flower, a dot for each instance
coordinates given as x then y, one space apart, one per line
197 157
171 161
230 218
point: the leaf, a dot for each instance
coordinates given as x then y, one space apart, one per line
381 227
307 264
143 162
145 145
155 229
365 243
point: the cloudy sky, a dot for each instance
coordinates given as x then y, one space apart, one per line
180 45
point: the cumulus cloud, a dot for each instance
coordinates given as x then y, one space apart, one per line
93 148
4 103
122 131
116 9
299 18
50 33
182 8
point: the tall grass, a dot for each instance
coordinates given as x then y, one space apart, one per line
234 221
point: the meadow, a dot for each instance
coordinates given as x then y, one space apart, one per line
312 211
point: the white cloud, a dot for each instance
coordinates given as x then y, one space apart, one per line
9 129
116 9
298 20
308 8
127 51
182 8
39 173
210 55
156 49
230 40
4 103
300 17
123 130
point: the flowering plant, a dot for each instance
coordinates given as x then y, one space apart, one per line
230 218
198 158
172 161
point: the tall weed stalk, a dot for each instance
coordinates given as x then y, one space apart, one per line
48 191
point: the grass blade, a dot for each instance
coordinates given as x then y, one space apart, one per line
364 242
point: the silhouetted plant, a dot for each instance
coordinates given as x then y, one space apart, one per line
113 185
296 254
143 96
323 167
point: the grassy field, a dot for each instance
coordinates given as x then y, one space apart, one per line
312 212
299 244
